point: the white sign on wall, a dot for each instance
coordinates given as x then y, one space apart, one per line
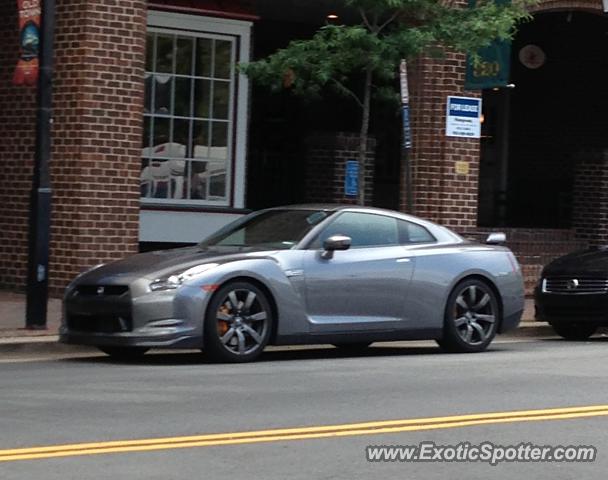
463 117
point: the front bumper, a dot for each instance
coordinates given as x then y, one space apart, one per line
132 318
568 308
164 338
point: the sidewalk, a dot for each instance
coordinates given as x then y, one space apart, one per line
12 317
13 331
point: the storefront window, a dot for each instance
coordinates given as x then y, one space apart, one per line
188 124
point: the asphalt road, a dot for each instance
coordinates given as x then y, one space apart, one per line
46 402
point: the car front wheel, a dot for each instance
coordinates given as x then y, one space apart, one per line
471 318
574 331
238 323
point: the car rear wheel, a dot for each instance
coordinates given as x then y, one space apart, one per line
124 353
238 323
574 331
471 318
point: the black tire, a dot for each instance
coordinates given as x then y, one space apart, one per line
124 353
238 323
574 331
356 347
471 318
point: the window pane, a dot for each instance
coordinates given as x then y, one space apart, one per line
276 228
183 59
202 89
412 233
161 137
177 178
145 179
219 143
203 57
221 99
147 93
164 53
186 144
145 140
150 52
162 97
198 180
217 186
182 97
223 59
181 134
200 140
365 230
159 179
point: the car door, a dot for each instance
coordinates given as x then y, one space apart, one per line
363 288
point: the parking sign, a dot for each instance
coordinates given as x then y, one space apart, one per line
463 117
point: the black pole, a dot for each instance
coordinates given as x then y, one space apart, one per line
406 136
40 201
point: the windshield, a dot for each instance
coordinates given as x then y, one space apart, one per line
272 229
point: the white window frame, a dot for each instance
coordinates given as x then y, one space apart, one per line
240 31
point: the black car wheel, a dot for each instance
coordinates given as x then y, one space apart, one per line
574 331
471 318
238 323
124 353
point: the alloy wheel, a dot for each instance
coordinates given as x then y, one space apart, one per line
239 323
472 317
474 314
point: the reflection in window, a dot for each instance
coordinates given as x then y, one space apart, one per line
189 85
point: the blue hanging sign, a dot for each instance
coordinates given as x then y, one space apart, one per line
351 178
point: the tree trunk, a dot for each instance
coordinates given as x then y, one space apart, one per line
364 135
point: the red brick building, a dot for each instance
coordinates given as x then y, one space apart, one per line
158 139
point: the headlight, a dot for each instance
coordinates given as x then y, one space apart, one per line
174 281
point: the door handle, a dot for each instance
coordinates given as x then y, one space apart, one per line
403 260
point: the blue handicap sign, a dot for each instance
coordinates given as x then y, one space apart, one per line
351 178
407 128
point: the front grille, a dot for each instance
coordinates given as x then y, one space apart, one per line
100 323
572 285
102 290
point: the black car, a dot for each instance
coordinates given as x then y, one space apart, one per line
572 294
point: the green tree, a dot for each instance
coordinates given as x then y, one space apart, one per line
361 61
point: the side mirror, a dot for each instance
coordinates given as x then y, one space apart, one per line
333 243
496 238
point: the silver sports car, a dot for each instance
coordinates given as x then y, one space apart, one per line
307 274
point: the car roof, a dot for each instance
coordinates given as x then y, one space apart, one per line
444 234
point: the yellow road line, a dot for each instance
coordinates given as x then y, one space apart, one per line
301 433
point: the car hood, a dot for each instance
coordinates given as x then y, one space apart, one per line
162 263
591 261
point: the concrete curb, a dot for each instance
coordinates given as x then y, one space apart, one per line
39 345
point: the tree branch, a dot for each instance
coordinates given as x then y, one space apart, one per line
365 19
390 20
347 91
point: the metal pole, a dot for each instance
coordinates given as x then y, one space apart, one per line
407 136
40 201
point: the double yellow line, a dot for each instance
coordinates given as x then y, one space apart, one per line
327 431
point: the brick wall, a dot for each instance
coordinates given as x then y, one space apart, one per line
326 158
590 202
440 194
98 101
17 134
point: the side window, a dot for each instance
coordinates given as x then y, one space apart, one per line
413 233
364 229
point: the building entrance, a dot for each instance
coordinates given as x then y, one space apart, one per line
536 133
